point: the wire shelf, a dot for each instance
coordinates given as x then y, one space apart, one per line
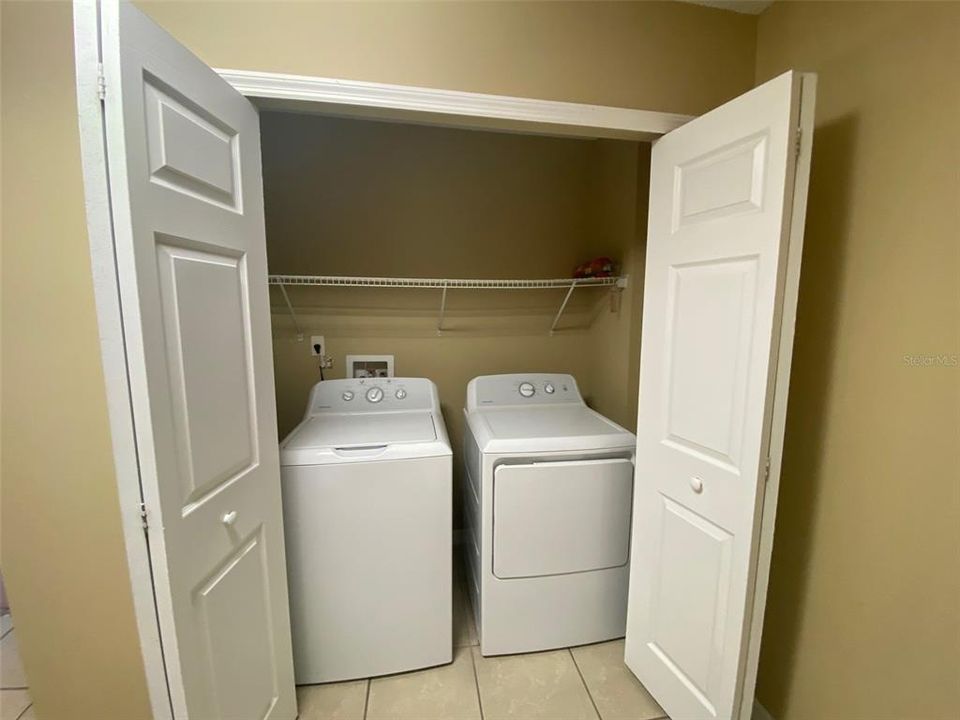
444 284
440 283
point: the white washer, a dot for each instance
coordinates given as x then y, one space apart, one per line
547 508
367 518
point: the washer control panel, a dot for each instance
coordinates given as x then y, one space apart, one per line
522 389
372 395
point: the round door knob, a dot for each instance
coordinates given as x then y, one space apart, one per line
401 393
348 396
527 389
229 518
374 394
697 484
549 389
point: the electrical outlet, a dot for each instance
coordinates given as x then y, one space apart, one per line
316 340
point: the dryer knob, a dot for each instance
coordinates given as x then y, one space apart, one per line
527 389
347 395
549 389
375 394
401 393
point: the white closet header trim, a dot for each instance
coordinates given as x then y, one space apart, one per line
449 108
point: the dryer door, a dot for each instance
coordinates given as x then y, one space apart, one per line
552 518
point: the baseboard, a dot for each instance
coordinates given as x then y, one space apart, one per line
760 712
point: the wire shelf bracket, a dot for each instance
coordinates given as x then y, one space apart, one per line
443 311
293 315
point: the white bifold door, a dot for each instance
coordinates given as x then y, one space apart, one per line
727 200
183 151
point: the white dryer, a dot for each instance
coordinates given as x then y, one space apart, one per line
367 519
547 508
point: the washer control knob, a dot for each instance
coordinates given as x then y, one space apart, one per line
549 389
527 389
374 394
400 394
347 395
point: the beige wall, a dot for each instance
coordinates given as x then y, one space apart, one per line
346 197
651 55
863 618
620 191
62 548
350 197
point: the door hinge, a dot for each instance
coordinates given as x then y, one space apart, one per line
766 470
101 82
796 147
143 515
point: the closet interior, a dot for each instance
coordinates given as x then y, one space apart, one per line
391 210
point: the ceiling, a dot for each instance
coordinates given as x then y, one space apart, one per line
747 7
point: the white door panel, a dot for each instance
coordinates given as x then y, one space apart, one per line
688 597
184 159
708 305
239 633
721 194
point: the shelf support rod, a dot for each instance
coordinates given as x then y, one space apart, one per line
563 306
443 310
293 315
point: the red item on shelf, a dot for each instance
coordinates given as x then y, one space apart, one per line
598 267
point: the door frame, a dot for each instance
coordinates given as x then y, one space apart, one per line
106 289
358 100
749 705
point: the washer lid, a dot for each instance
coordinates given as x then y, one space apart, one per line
544 428
335 430
541 422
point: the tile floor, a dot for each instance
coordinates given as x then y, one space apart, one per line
14 698
589 682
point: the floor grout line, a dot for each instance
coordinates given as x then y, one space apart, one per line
585 686
24 711
366 700
476 681
475 640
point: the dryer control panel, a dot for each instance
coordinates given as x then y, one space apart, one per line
372 395
523 389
